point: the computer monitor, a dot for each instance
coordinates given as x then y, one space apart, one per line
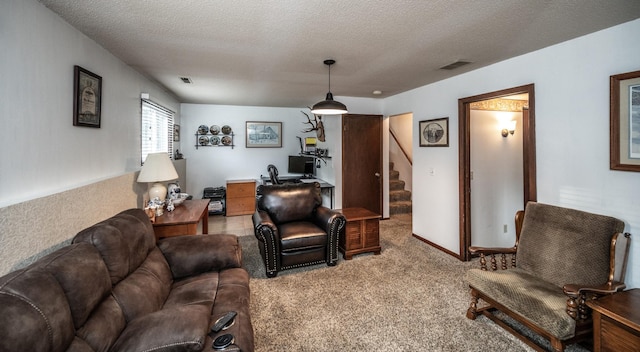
301 165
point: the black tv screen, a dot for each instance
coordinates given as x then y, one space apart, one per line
301 165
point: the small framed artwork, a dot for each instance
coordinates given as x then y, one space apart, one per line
434 133
624 120
87 98
262 134
176 133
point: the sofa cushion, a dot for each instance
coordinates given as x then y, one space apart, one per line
180 328
124 241
103 326
289 202
193 255
566 246
34 310
145 290
200 289
541 302
84 278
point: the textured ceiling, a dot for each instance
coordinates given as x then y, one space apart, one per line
270 53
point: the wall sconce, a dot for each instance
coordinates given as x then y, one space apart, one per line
511 129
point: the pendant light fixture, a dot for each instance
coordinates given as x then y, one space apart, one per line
329 106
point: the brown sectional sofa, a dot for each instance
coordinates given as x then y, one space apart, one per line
114 289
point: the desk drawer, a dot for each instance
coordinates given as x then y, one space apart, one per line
241 189
241 206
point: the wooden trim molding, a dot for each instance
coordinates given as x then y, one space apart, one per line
453 254
464 156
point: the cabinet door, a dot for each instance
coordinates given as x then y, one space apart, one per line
371 230
353 235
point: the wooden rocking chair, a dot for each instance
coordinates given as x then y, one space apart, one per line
562 258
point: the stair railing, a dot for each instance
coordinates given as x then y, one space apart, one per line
406 155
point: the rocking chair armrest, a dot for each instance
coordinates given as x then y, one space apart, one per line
492 250
574 290
578 295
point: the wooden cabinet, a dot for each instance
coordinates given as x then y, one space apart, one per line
616 322
362 232
241 197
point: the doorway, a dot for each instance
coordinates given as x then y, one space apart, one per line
465 172
362 162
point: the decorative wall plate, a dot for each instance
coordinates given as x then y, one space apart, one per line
214 129
215 140
226 140
226 129
203 140
203 129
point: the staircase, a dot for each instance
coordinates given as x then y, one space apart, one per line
399 198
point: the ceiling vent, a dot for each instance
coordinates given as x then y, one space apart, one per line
455 65
186 80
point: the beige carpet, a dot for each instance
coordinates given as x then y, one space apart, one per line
410 298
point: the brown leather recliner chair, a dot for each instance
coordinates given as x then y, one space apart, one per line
294 229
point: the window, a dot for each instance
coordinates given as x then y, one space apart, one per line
157 129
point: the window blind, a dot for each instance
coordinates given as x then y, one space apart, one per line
157 129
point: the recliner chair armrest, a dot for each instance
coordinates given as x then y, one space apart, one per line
192 255
262 219
325 217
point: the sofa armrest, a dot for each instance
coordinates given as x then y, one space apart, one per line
192 255
578 295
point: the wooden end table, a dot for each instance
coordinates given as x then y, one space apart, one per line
183 220
616 322
362 232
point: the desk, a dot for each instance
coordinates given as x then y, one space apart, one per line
290 179
183 220
616 322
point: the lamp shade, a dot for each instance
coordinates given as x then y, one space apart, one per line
329 107
157 168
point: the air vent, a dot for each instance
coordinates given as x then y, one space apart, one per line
454 65
186 80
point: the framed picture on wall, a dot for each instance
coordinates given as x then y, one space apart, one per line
176 133
434 133
87 98
263 134
624 115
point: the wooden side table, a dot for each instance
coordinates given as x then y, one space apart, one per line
183 220
616 322
362 232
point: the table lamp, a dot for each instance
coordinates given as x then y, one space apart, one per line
157 168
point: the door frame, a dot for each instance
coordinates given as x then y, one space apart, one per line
464 160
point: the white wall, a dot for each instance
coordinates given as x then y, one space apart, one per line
212 166
56 179
42 152
496 185
402 126
572 123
